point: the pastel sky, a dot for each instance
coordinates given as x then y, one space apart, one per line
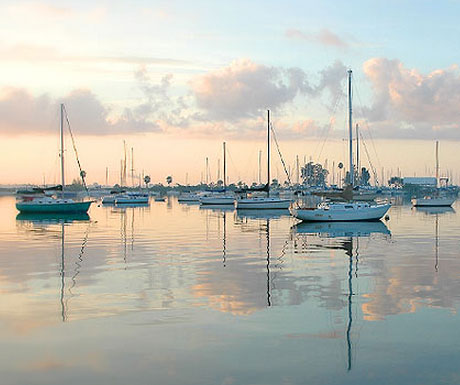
176 78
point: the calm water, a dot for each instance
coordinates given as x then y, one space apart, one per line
175 294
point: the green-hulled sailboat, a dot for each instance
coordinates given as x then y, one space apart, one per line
46 204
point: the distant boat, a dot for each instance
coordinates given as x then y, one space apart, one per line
261 202
435 199
111 199
46 204
220 198
132 198
189 198
344 211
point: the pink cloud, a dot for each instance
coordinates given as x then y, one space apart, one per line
323 37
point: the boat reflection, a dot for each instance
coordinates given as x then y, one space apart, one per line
344 236
434 210
46 223
262 214
218 208
342 229
52 218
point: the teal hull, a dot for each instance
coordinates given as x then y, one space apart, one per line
71 207
52 217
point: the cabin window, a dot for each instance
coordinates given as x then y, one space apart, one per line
348 207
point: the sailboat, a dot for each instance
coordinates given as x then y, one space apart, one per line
220 198
268 202
49 204
344 211
434 200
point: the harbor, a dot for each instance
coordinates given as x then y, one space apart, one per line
135 292
229 193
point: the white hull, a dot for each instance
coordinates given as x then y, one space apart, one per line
433 202
188 198
219 201
357 213
110 200
262 203
132 200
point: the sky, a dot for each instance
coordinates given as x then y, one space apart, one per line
174 79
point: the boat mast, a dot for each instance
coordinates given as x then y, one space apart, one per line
260 165
62 146
268 152
132 166
358 167
350 129
225 168
437 164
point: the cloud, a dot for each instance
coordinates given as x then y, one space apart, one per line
324 37
408 103
245 89
37 53
21 112
229 102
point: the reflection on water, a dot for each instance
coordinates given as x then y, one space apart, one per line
341 236
174 291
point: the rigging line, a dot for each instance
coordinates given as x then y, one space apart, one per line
231 160
367 126
279 153
79 261
338 99
374 171
82 173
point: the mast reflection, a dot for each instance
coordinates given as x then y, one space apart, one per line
345 236
42 222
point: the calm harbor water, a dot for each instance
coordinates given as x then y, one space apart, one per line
177 294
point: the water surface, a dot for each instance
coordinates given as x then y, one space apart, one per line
177 294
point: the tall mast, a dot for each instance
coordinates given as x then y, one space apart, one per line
358 168
297 168
62 146
350 129
437 163
225 168
132 166
124 164
260 165
268 151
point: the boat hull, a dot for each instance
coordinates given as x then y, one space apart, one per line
262 204
70 207
433 202
372 213
132 201
217 201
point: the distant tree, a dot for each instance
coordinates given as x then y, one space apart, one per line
364 177
395 181
169 180
313 174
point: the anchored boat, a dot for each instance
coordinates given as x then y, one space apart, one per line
47 204
262 202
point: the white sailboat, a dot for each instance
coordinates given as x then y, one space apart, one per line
48 204
221 198
344 211
262 202
435 199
